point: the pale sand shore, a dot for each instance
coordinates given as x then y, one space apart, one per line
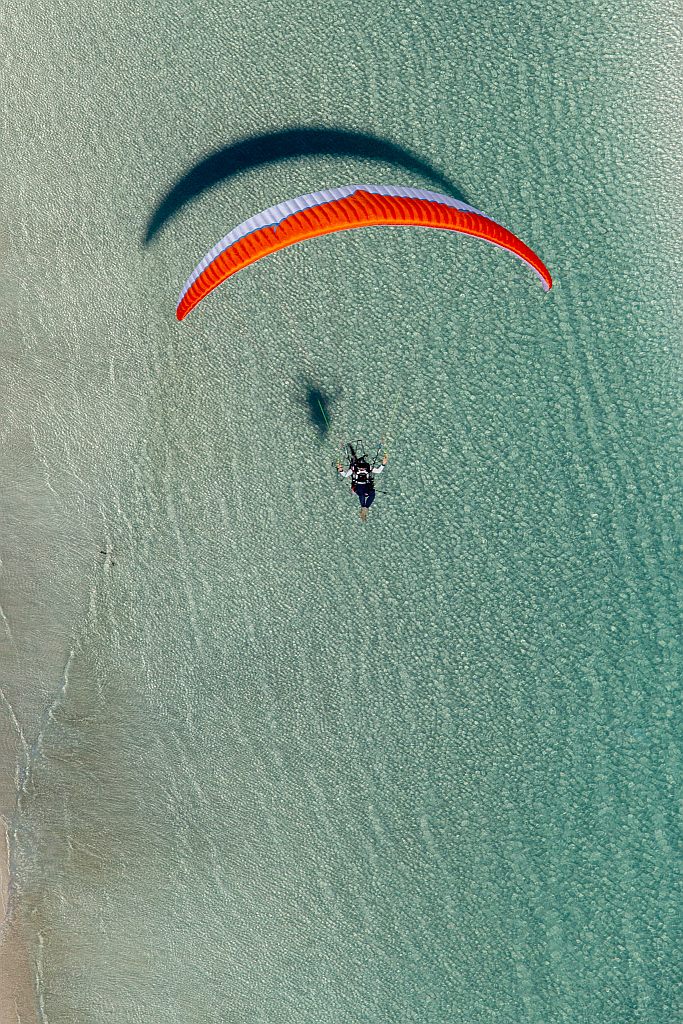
17 988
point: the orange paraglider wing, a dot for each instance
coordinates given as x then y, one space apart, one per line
340 209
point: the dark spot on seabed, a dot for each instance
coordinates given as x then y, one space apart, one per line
273 147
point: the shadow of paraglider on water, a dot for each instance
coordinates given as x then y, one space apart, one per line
274 147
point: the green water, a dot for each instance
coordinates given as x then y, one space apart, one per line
276 765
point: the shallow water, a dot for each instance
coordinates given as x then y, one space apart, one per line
276 765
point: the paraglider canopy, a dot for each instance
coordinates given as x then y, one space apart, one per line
340 209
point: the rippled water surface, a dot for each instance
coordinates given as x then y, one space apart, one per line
275 765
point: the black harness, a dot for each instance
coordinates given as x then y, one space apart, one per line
362 475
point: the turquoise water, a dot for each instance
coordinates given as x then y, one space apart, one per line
275 765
